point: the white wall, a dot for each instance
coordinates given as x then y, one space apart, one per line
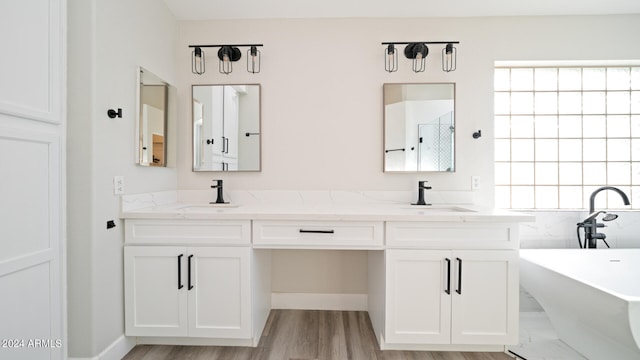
322 90
322 113
108 39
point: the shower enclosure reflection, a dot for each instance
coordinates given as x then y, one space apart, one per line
419 127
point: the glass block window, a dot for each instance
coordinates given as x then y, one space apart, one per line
562 132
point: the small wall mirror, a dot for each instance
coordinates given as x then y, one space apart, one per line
419 127
156 104
226 127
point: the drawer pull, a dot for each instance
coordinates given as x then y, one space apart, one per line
303 231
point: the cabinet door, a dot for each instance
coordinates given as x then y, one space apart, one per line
418 305
485 298
220 297
155 305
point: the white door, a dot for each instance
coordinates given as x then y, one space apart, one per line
155 281
231 119
220 299
418 296
485 301
32 181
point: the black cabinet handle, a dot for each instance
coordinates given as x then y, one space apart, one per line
180 286
189 286
448 289
303 231
459 289
225 145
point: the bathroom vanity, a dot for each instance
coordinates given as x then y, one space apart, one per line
443 277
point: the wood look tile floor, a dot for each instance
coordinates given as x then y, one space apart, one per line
306 335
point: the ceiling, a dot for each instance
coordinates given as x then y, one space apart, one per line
270 9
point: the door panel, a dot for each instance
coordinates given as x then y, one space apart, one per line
155 305
486 310
220 301
417 305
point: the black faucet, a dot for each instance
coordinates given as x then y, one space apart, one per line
421 189
591 225
220 199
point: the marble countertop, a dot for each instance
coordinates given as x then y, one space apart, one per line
309 207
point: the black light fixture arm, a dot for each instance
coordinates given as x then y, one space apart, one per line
422 42
236 45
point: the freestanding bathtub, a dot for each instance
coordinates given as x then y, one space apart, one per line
592 297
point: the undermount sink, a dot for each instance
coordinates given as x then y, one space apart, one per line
425 209
209 207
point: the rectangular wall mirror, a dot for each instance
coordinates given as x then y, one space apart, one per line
226 127
419 127
156 105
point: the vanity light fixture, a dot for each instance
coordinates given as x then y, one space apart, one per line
417 52
449 57
227 55
391 58
197 61
253 60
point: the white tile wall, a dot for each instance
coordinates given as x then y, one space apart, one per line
557 229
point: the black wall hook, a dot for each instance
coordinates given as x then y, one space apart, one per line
477 134
114 114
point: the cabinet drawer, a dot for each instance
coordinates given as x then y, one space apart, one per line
451 236
317 235
188 232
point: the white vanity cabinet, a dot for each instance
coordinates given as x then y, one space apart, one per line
188 291
438 278
439 294
194 279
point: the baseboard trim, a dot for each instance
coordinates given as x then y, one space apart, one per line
441 347
188 341
115 351
303 301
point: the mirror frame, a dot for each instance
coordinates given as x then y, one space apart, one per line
168 118
384 132
259 130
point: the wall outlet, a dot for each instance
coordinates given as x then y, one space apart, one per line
118 185
475 182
